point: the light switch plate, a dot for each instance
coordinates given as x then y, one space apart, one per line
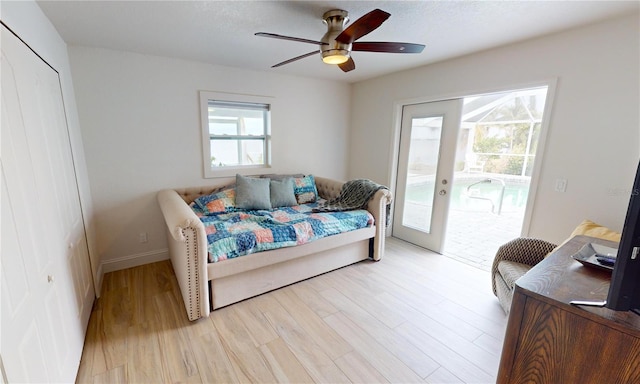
561 185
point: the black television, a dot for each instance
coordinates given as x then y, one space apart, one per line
624 291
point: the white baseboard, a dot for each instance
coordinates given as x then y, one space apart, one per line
133 261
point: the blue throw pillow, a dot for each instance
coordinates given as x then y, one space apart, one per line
282 193
252 193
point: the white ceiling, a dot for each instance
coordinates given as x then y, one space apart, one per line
222 32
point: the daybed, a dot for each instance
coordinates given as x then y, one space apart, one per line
207 286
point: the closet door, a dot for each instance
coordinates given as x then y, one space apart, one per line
47 289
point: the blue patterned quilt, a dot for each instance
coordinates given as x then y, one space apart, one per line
240 233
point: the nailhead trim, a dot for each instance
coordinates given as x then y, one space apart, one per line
193 275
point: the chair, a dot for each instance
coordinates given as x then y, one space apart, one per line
518 256
512 261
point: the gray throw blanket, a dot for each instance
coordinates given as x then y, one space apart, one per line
355 194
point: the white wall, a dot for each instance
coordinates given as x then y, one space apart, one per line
26 19
141 129
594 134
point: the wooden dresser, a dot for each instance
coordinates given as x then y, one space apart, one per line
550 341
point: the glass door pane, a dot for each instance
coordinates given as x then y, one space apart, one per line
497 148
424 151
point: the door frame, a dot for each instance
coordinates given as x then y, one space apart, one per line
394 143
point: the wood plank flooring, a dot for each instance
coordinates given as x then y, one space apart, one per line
413 317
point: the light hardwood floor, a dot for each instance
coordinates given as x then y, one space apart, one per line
415 316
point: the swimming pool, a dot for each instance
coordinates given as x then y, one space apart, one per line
477 198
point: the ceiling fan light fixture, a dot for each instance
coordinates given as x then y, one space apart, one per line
338 42
335 56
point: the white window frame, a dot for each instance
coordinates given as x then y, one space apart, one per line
227 171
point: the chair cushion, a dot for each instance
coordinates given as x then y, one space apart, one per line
503 293
510 271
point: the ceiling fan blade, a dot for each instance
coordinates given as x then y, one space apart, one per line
348 65
363 26
390 47
301 40
295 59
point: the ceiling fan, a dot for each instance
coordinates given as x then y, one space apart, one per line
337 44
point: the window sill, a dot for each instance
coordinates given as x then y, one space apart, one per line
242 170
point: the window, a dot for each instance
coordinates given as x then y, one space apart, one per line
236 133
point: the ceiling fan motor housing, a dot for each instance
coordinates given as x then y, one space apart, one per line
335 21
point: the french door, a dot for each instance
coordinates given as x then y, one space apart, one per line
428 139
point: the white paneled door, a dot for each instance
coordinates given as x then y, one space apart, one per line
47 290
